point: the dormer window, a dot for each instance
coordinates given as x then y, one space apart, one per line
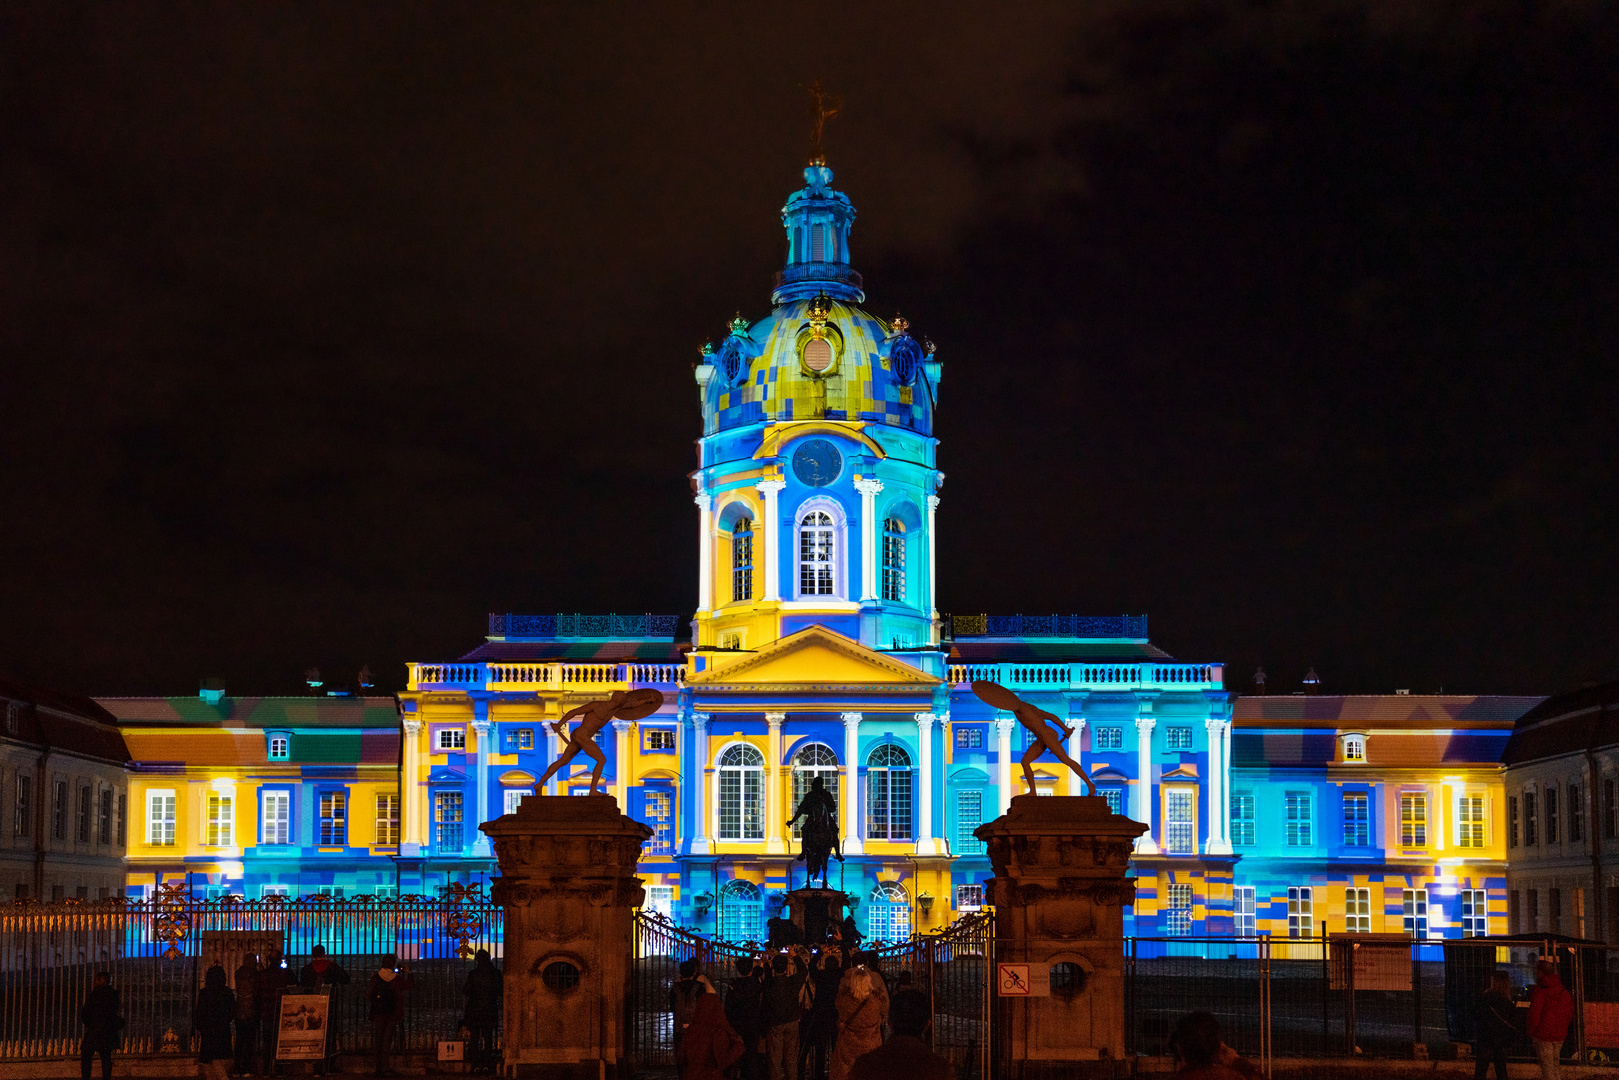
1355 748
280 745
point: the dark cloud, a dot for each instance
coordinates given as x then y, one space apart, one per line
326 330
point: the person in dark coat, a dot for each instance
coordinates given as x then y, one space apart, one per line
709 1047
483 991
1495 1027
247 1014
272 981
101 1021
820 1031
906 1053
212 1017
320 976
744 1010
387 1008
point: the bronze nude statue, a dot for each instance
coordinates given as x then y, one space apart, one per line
1039 723
595 715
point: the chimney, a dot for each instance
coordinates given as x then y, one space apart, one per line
211 690
1259 681
1312 682
312 677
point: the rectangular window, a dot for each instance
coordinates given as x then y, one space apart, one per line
1475 921
268 891
385 892
514 798
894 561
1512 821
1514 914
1610 811
1532 905
160 818
888 804
1242 819
452 738
83 831
660 738
334 891
661 899
447 821
1579 913
1551 814
969 897
1300 912
1300 819
1531 820
59 810
1358 911
1178 826
1178 738
334 820
25 805
1115 799
1109 738
104 817
279 746
1415 906
1576 814
969 815
276 823
969 738
217 831
1178 917
123 809
815 555
525 738
388 819
660 815
1413 820
1470 821
1357 820
1554 909
1242 911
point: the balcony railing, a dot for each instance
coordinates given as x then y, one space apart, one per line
538 676
1135 676
819 271
1106 627
562 625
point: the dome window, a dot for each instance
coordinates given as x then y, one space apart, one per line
818 355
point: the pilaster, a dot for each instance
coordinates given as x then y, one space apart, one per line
1004 723
413 829
1142 802
705 553
852 842
774 816
483 731
869 559
1219 842
702 830
926 843
770 489
621 764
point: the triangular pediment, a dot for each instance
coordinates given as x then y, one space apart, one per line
814 657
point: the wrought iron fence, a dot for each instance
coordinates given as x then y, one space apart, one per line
157 950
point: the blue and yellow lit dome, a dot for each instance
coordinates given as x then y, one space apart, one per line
818 355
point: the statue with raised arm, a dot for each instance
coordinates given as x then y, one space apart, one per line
1039 723
594 716
820 843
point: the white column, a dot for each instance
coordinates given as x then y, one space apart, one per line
1141 805
621 764
482 730
702 832
852 843
774 844
932 603
770 489
411 836
1076 786
705 552
1004 723
868 488
1219 843
925 842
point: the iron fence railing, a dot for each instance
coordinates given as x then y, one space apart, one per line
157 950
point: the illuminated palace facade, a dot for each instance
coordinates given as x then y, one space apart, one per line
818 651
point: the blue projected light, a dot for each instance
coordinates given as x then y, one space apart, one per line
817 463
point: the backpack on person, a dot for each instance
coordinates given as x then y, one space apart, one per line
384 1000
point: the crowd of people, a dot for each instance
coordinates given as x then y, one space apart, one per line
238 1028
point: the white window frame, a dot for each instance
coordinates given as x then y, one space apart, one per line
1365 835
886 777
269 821
1178 901
1474 905
1114 797
840 549
1354 749
891 565
1471 829
805 774
1180 819
660 899
970 897
219 819
742 568
280 748
1301 911
1299 806
657 735
888 915
1177 737
741 772
1244 920
161 829
1415 913
513 797
1357 910
662 841
446 739
387 826
1415 824
1108 737
274 889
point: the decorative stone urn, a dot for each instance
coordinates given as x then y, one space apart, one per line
569 890
1059 892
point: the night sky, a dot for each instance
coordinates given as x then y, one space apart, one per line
328 329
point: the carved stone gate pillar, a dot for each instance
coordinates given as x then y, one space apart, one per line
569 891
1059 892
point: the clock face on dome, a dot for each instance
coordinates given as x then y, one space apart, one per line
817 463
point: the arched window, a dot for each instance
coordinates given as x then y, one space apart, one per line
890 913
1355 748
888 793
742 559
815 569
742 799
894 560
814 760
740 908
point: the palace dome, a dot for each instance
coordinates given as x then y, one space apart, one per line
818 355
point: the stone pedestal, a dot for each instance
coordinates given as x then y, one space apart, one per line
1059 892
569 890
813 910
